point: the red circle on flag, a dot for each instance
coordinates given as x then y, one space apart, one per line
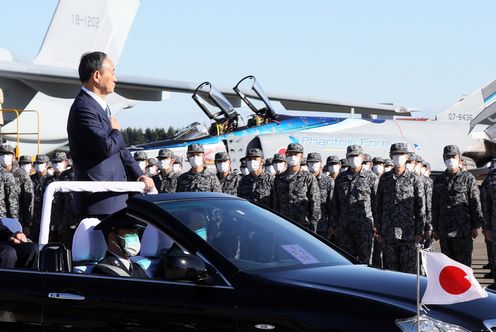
453 280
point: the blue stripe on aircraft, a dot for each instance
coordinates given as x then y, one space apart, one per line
490 98
287 125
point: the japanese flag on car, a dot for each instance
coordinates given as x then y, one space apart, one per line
449 281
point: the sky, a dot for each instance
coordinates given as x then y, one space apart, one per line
421 54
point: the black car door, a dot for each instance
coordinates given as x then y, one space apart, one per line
21 298
85 302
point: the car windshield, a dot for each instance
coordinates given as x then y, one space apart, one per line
251 237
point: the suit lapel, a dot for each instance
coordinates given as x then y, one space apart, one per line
96 106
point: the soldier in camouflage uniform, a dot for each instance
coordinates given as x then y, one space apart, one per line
456 209
400 216
257 185
488 202
333 166
296 192
388 165
344 165
367 162
197 178
243 169
378 248
9 194
152 168
428 183
41 180
166 179
64 219
229 180
354 206
326 186
279 163
141 158
268 167
24 186
378 166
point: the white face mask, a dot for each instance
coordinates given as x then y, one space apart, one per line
152 170
387 169
410 167
366 167
334 169
378 169
164 164
196 161
270 169
142 164
452 163
222 167
314 167
304 168
6 159
355 161
399 160
344 169
293 160
253 165
59 167
176 168
244 171
51 172
424 172
27 168
279 167
327 173
40 168
130 244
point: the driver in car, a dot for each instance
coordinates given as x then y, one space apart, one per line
121 233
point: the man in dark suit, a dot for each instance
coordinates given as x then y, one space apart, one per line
96 143
121 233
16 251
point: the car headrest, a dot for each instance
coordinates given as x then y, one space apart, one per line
154 242
12 224
88 244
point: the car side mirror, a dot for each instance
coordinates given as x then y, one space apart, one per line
185 267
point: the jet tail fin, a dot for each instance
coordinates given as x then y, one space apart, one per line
469 108
78 27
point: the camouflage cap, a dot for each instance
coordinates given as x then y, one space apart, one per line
388 162
268 161
294 148
451 150
152 161
367 158
314 157
333 160
7 149
279 157
41 158
140 155
195 148
254 152
344 162
354 150
222 156
58 157
411 156
165 153
378 160
25 159
398 148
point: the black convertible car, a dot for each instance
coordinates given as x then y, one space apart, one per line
236 267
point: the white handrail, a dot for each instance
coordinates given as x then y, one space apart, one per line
79 186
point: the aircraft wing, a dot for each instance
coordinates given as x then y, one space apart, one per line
64 83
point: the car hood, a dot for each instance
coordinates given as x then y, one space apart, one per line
398 289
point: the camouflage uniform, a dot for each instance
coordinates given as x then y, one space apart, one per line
488 202
400 216
297 196
198 182
26 196
230 182
353 209
257 189
9 195
40 183
326 187
166 182
456 211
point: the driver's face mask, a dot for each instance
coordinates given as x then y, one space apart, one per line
130 244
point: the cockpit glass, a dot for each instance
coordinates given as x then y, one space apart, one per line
191 132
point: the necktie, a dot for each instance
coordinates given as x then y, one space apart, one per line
107 111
